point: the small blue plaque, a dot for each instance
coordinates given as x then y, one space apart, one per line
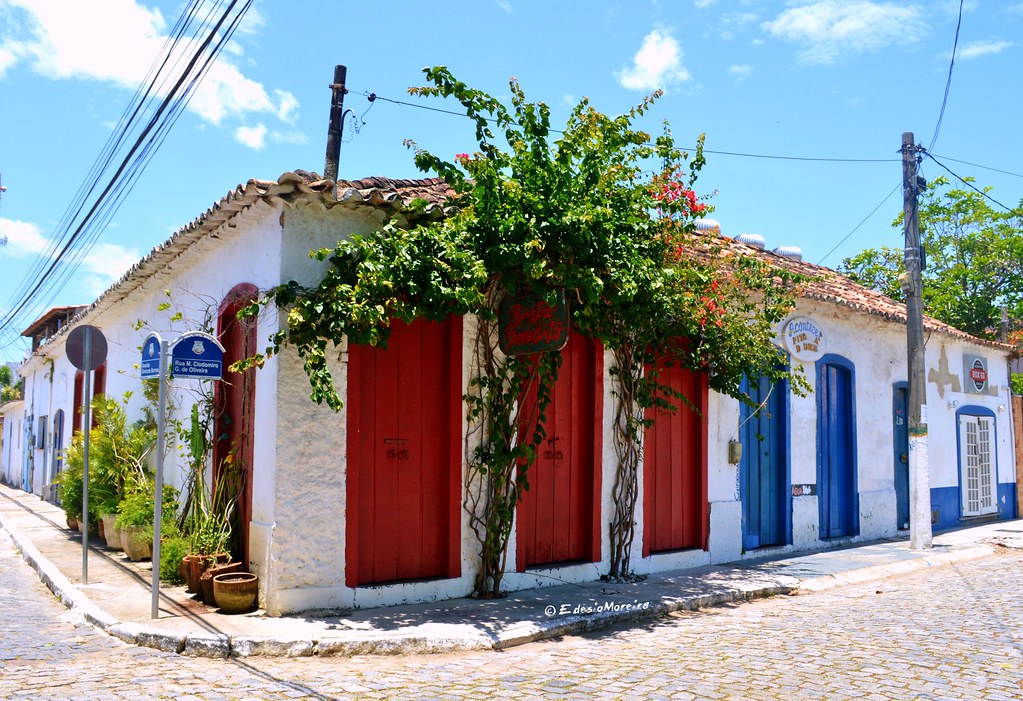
149 368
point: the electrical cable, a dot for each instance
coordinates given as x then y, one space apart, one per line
73 248
948 82
864 221
112 146
376 96
967 183
977 165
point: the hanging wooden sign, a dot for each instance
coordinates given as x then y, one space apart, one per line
528 324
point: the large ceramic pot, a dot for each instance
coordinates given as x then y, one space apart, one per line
137 542
235 592
111 533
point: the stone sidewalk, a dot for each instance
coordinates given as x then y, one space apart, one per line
117 597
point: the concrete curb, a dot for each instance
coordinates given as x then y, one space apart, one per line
217 645
875 572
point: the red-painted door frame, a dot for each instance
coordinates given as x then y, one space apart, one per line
675 512
559 516
403 517
234 399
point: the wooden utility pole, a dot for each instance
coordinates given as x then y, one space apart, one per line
919 475
336 126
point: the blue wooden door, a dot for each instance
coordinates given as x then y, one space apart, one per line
900 431
763 474
836 441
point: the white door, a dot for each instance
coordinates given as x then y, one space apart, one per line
976 461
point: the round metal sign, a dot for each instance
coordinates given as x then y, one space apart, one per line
84 338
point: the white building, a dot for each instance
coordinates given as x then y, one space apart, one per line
356 509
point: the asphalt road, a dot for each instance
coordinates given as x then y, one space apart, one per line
953 632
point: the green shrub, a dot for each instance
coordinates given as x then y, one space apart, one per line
137 507
172 550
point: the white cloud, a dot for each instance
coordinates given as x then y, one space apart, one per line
830 30
252 23
116 41
105 264
982 48
253 137
7 59
23 239
703 4
657 64
289 137
740 72
505 5
287 106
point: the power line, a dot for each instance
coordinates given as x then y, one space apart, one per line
864 221
375 96
75 244
970 185
948 83
976 165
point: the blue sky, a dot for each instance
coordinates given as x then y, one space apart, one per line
769 83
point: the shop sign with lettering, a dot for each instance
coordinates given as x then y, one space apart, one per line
531 325
975 374
803 339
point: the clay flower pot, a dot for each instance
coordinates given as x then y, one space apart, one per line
206 579
137 542
111 533
191 569
197 565
235 592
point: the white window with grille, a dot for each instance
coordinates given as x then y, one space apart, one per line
977 465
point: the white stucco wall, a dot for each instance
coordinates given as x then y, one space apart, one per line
11 457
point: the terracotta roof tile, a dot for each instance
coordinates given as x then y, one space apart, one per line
391 195
828 285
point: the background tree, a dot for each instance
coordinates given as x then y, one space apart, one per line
10 385
974 257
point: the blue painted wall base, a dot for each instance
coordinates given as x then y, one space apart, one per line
947 502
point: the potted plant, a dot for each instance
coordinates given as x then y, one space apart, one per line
209 533
137 514
210 512
117 458
69 488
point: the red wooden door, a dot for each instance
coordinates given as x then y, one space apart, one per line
234 399
675 468
404 462
558 518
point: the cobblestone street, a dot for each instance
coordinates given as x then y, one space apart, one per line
953 632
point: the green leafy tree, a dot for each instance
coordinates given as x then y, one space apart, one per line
974 260
600 211
10 385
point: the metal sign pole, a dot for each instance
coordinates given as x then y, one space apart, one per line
86 429
160 456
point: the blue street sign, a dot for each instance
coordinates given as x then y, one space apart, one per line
149 368
197 355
